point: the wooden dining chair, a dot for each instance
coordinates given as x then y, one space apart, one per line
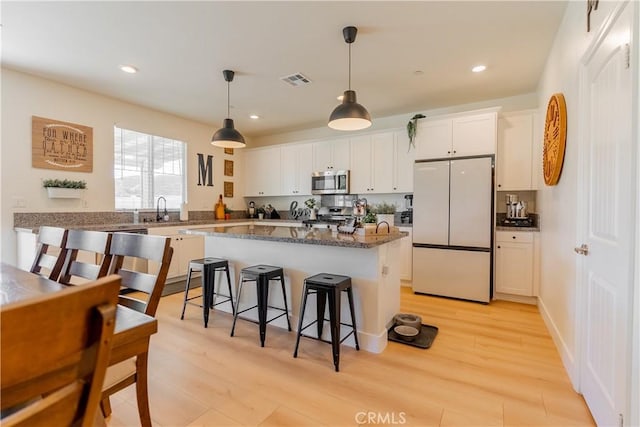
55 351
50 253
87 256
148 289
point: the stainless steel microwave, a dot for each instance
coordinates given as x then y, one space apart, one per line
330 182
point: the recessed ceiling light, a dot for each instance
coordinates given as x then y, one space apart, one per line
129 69
418 72
254 116
479 68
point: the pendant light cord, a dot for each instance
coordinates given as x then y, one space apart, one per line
349 66
228 85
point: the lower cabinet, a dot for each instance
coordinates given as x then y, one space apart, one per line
406 254
185 248
515 261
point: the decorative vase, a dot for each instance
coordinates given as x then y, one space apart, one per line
312 214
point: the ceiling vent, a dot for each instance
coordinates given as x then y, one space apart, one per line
297 79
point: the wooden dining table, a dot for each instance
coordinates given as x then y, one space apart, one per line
133 329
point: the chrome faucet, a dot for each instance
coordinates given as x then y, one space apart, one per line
165 213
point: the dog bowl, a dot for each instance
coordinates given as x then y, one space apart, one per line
407 333
408 320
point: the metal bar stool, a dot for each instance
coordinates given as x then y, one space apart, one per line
262 275
208 267
328 286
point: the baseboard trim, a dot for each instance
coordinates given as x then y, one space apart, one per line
568 359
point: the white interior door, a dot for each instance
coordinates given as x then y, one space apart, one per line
609 195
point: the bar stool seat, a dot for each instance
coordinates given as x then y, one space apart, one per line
208 266
328 286
262 275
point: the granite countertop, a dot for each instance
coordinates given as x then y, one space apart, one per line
303 235
146 225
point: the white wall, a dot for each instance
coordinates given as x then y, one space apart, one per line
557 204
25 95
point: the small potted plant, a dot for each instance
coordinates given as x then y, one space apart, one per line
64 188
368 223
311 205
227 212
261 211
385 212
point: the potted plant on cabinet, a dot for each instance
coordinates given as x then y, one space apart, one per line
261 211
64 188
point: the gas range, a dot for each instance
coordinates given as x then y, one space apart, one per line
324 221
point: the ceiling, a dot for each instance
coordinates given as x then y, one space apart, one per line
408 56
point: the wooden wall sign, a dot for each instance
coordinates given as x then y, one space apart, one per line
61 145
228 151
228 168
228 189
555 138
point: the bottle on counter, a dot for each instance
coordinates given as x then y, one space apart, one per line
219 208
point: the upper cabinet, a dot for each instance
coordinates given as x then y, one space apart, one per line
296 168
372 163
403 159
262 172
457 136
331 155
514 163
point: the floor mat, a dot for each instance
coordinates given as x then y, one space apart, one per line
423 340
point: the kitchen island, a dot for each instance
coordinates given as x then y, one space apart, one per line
372 261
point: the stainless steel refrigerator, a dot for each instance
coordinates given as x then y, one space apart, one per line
453 220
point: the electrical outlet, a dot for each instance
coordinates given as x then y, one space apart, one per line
19 202
385 270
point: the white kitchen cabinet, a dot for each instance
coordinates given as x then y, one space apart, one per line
515 263
186 247
262 172
406 254
514 165
296 168
372 163
403 159
332 154
457 136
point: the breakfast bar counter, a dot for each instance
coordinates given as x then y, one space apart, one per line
372 262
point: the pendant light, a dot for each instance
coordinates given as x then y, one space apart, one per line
228 136
349 115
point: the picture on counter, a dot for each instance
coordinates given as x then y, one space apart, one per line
228 189
61 145
228 168
228 151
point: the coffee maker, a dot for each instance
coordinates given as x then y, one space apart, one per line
406 217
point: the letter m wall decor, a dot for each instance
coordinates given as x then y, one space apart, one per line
205 170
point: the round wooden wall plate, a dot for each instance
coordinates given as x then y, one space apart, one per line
555 138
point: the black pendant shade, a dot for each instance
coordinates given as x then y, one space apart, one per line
228 136
349 115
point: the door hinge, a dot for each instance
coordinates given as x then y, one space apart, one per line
627 55
620 417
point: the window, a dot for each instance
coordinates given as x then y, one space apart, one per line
147 167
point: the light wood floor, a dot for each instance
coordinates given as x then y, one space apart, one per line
490 365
